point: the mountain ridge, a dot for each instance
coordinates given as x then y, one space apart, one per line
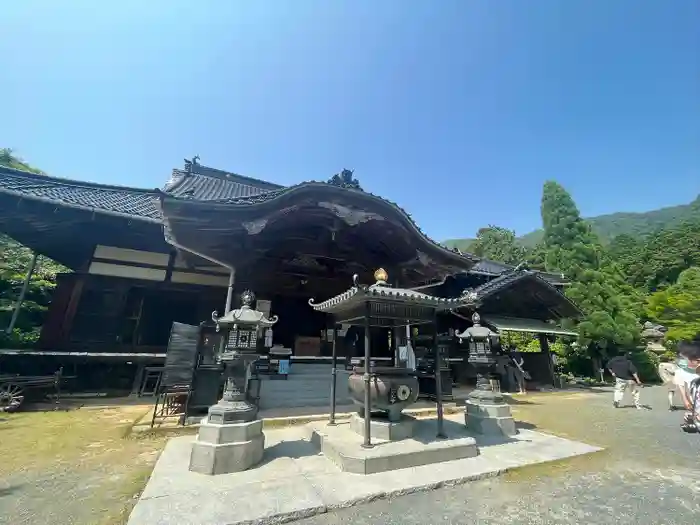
610 225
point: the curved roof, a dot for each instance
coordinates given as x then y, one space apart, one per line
206 185
277 197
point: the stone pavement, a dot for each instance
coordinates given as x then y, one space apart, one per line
295 481
648 474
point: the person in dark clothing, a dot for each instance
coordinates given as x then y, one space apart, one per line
518 374
626 378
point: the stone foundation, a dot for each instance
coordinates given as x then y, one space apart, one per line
485 418
222 449
384 429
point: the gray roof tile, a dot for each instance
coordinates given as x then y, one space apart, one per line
136 203
209 184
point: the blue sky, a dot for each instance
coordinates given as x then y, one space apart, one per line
457 110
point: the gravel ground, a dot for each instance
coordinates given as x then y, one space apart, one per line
72 467
648 474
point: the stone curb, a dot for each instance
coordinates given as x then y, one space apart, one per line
144 429
287 517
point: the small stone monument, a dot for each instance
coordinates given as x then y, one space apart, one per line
230 438
486 411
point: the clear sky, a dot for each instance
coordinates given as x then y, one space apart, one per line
458 110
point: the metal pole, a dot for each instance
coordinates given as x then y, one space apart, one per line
334 372
368 411
229 292
22 293
438 382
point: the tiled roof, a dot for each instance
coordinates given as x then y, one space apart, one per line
209 184
271 195
379 292
118 200
476 295
496 268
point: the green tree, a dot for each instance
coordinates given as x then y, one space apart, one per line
498 244
14 263
10 160
678 306
610 324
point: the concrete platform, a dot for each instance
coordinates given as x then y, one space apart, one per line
294 480
342 445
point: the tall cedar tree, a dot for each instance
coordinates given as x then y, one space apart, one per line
610 323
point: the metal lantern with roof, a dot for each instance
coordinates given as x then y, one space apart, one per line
386 390
243 339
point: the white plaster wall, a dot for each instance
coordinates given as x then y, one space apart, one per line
135 256
132 272
198 278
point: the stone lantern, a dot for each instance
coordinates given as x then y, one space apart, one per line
230 438
486 411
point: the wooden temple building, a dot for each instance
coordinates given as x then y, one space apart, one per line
142 259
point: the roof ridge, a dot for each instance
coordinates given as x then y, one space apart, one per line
4 170
208 171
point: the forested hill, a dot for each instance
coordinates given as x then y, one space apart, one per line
7 158
610 226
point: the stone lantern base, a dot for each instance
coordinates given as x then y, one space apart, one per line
226 448
489 418
486 411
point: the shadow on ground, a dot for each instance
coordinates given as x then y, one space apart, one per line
299 448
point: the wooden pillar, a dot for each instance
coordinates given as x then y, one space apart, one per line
71 310
544 346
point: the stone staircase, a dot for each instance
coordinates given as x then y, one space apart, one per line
308 385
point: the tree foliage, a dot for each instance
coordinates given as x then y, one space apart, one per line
656 261
10 160
498 244
573 249
678 306
15 260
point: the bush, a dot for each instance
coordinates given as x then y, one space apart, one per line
20 339
647 363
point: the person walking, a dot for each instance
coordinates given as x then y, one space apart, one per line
667 373
517 369
690 351
626 378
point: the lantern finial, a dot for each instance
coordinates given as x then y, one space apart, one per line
247 299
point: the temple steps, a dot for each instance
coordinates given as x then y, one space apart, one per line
308 385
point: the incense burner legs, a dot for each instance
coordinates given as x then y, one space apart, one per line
230 439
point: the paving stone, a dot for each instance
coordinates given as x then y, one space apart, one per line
294 481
